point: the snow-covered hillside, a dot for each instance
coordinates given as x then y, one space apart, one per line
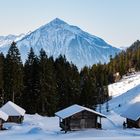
125 84
124 93
58 37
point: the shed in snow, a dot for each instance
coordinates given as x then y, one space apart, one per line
15 112
3 117
132 115
77 117
116 76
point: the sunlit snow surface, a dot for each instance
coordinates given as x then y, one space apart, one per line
36 127
124 93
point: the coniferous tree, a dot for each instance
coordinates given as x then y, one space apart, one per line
68 82
13 75
73 79
31 83
61 79
88 90
138 59
48 93
2 59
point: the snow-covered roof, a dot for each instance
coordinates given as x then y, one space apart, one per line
133 112
12 109
3 115
67 112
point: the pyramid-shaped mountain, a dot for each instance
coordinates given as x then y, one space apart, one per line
58 37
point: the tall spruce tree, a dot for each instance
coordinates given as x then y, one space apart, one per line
48 96
88 89
73 79
31 83
68 82
2 59
61 79
13 75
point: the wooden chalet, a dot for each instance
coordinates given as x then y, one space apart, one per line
15 112
77 117
3 118
132 115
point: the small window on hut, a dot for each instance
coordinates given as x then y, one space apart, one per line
98 120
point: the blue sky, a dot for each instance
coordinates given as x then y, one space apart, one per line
116 21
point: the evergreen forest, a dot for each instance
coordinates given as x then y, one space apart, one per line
44 85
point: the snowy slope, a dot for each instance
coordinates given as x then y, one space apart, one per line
58 37
125 84
124 93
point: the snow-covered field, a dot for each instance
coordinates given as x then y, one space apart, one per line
36 127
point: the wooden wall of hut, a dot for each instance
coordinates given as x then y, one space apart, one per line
132 123
80 120
16 119
1 124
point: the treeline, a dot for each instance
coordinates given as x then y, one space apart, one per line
44 85
126 62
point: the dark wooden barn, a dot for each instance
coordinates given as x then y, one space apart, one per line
77 117
15 112
3 118
133 123
132 115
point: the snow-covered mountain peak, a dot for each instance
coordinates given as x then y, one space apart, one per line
54 24
59 25
57 21
58 37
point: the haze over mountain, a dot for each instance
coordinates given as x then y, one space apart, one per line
58 37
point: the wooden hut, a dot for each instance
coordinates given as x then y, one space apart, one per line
77 117
15 112
116 76
131 71
3 118
132 115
